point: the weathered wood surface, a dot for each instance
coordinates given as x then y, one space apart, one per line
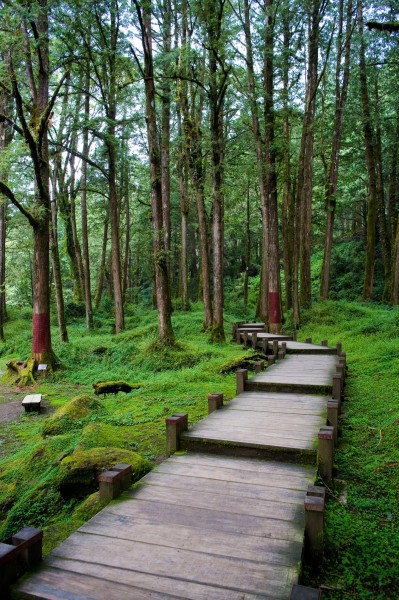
311 373
268 421
292 346
198 526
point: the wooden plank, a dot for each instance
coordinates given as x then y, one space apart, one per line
260 467
167 585
277 510
246 547
222 472
279 428
215 519
72 580
276 443
191 566
221 488
251 419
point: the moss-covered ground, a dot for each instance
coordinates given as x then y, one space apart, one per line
39 453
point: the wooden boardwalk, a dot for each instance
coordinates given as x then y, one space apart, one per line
218 522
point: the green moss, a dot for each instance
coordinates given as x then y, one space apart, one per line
78 472
70 415
102 435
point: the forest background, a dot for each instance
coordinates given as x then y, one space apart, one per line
224 159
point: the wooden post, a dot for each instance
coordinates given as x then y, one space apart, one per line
254 339
126 474
314 526
238 336
175 425
259 366
215 401
245 337
293 335
342 358
280 355
339 348
17 554
340 368
241 378
110 484
275 347
332 416
337 387
308 340
271 359
284 347
265 345
324 343
326 451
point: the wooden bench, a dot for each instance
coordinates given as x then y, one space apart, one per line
31 402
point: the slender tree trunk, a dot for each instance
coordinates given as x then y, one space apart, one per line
341 92
263 299
165 130
113 198
305 175
271 178
85 235
184 207
393 190
370 161
126 260
76 253
162 289
101 272
6 135
59 296
288 207
395 269
247 246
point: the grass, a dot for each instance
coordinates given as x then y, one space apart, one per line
362 544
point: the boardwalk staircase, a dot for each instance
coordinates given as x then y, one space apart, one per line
224 518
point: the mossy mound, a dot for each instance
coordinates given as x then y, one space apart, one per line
114 387
245 362
70 415
96 435
85 510
78 472
7 495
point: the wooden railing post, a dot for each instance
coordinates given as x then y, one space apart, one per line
259 366
284 348
339 348
265 345
215 401
175 425
254 339
332 416
314 522
17 554
275 347
293 335
325 455
324 343
241 378
271 359
308 340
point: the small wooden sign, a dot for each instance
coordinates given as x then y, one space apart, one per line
42 368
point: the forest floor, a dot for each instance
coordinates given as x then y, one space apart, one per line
36 451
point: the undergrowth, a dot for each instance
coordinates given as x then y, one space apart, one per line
362 546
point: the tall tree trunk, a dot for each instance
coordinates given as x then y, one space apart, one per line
85 235
101 272
247 246
59 296
76 253
393 190
305 174
263 299
288 208
370 161
126 260
341 92
112 190
165 129
184 207
217 90
162 289
6 134
271 178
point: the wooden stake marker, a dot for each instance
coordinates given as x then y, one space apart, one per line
284 347
175 425
339 348
215 402
271 359
314 526
326 451
337 387
259 366
324 343
332 416
241 378
308 340
275 347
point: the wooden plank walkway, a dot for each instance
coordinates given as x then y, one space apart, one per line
198 526
219 522
293 347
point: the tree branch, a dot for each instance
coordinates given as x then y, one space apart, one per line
4 189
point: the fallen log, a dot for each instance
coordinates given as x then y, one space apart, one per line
114 387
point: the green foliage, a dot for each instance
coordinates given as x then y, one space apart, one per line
362 546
